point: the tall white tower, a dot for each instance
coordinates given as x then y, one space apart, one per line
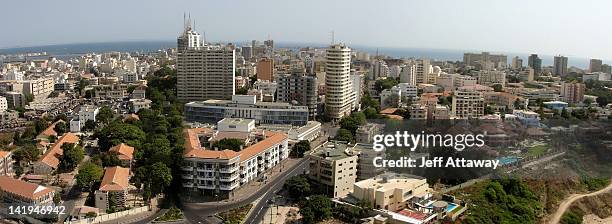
339 96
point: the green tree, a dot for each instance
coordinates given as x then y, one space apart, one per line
90 125
228 143
391 101
29 97
88 174
242 91
488 110
602 101
497 87
153 179
300 148
60 128
316 208
26 154
371 113
72 156
383 84
117 132
57 198
344 135
105 115
298 187
587 102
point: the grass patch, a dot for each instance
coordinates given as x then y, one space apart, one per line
571 217
172 215
537 150
235 216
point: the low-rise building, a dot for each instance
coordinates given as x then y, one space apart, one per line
138 104
334 167
528 118
6 163
124 152
392 193
365 133
114 186
18 191
241 106
49 162
211 171
308 132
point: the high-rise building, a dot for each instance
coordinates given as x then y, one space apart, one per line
379 69
338 94
486 60
536 63
489 78
190 38
421 71
560 66
517 63
247 52
572 92
605 68
467 104
204 71
407 74
595 65
298 87
265 69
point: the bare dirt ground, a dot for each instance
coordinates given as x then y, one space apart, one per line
565 204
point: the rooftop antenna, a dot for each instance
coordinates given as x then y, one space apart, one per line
204 37
333 41
189 21
184 21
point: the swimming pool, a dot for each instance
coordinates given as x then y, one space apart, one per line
508 160
451 207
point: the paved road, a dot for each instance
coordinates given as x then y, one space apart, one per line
565 204
257 213
202 213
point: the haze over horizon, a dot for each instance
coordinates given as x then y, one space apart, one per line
542 27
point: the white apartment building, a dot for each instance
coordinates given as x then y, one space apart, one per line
392 193
386 95
421 71
3 104
464 80
334 167
467 104
488 78
138 104
339 96
407 75
212 171
40 87
408 90
87 112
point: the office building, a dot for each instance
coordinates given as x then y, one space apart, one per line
560 66
595 65
25 193
203 71
392 192
467 104
245 106
536 63
572 92
265 69
517 63
334 167
219 172
114 187
486 60
300 88
339 96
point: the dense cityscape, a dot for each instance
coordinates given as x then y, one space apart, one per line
211 132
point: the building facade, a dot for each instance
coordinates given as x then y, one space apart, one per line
334 167
298 87
467 104
339 96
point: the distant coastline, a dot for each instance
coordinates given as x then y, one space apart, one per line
64 51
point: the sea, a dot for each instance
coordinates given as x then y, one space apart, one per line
66 51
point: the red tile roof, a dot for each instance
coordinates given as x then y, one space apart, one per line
51 157
124 152
115 179
24 189
193 149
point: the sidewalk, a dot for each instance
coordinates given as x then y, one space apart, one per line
253 186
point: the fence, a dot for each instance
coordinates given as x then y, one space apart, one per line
110 217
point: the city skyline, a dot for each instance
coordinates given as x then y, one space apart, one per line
367 23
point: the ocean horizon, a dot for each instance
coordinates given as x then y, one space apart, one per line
75 49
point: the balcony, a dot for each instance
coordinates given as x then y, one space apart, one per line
188 184
187 176
229 170
187 168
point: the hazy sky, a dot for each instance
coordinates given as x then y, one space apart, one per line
572 28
